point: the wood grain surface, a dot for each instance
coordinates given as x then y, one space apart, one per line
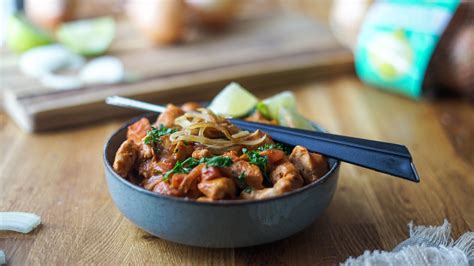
59 176
257 51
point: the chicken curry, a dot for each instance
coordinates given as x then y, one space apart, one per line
193 153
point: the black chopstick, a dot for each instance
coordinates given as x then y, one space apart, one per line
384 157
389 158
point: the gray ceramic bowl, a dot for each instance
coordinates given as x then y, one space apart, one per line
223 224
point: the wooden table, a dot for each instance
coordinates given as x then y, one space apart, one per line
59 176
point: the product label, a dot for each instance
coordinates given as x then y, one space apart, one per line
397 40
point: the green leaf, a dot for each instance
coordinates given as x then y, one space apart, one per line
258 160
187 165
154 134
275 146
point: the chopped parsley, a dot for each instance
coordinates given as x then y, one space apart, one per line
153 135
180 167
274 146
187 165
258 160
218 161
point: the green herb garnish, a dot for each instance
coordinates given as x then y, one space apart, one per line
274 146
218 161
258 160
187 165
153 135
183 167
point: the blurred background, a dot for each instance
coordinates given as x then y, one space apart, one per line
63 57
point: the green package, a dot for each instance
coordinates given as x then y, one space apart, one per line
397 40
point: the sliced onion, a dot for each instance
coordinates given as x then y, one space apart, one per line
22 222
61 82
241 134
48 59
194 124
103 70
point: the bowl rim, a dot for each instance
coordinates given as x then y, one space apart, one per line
233 202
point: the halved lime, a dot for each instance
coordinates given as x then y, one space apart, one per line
233 101
291 118
285 99
89 37
22 35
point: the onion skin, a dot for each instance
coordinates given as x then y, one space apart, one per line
213 13
48 14
160 21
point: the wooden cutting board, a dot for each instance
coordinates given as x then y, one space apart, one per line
260 53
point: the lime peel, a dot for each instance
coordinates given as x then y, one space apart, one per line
262 108
285 99
22 35
88 37
234 101
291 118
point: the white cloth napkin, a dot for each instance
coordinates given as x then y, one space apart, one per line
427 245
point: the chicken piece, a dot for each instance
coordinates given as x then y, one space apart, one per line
258 194
288 183
282 186
204 199
285 178
190 106
252 175
149 168
182 151
232 154
186 184
151 182
169 115
189 184
125 158
200 153
283 170
218 188
312 166
138 130
145 152
210 172
273 155
165 188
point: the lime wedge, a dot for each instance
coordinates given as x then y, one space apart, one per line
262 108
22 35
90 37
233 101
284 99
291 118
